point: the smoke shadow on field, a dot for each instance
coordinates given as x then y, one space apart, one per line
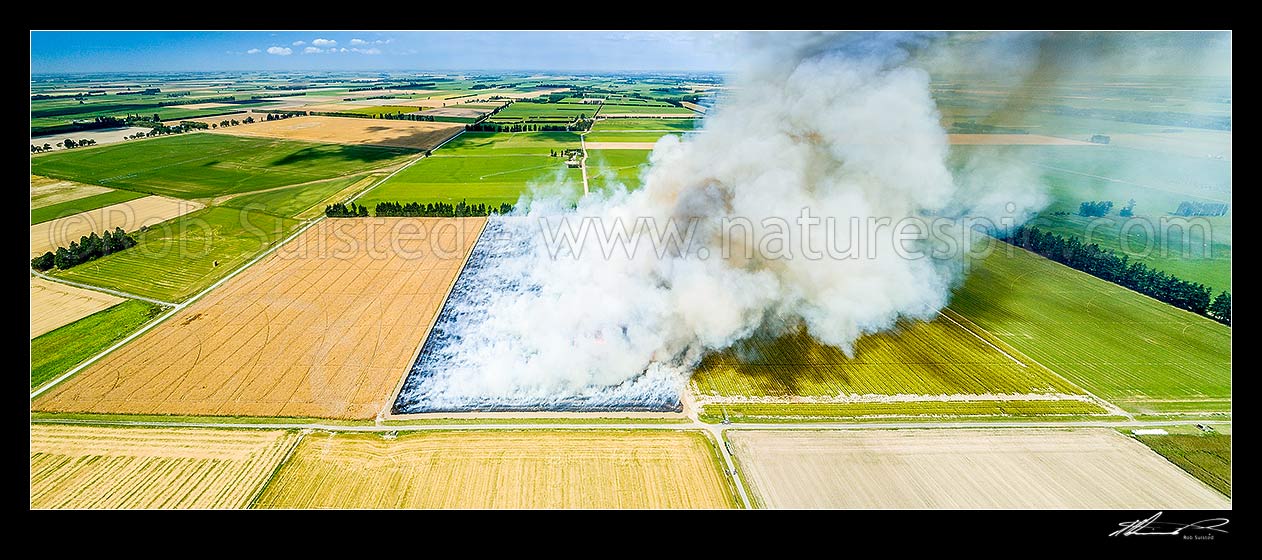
328 153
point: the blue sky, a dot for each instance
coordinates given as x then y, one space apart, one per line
139 51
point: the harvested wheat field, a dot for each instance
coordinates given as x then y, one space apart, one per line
420 135
1013 140
461 112
87 467
502 469
963 469
323 327
54 304
130 215
620 145
46 191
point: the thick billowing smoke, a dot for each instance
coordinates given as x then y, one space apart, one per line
840 126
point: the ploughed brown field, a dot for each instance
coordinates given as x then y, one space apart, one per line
963 469
421 135
323 327
502 469
89 467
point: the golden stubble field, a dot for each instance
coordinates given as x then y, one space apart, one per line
1093 468
130 215
54 304
46 191
503 469
323 327
421 135
88 467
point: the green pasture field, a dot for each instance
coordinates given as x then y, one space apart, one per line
176 259
477 179
197 165
608 109
383 110
295 201
71 207
521 111
799 412
1205 456
56 352
667 125
626 136
611 167
941 357
1134 351
479 144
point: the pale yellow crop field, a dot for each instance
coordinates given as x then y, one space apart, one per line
46 191
88 467
54 304
1094 468
421 135
130 215
503 469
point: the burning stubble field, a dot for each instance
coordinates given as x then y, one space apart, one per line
489 168
323 327
1136 352
131 216
417 135
936 368
82 467
200 165
963 469
503 469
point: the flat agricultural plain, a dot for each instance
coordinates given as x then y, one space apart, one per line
963 469
323 327
54 304
1013 140
503 469
130 215
46 191
87 467
620 145
418 135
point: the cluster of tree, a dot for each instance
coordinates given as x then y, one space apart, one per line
576 126
281 116
1128 210
292 86
1188 208
40 96
973 127
343 210
88 248
146 91
1110 266
98 122
406 116
180 94
439 209
67 143
278 95
339 114
199 100
568 153
1095 209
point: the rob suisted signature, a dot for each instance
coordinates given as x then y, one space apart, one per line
1151 526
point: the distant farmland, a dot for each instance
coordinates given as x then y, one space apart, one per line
1134 351
490 168
503 469
198 165
81 467
419 135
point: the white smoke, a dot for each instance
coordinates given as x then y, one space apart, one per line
835 124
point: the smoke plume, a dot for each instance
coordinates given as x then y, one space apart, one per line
841 125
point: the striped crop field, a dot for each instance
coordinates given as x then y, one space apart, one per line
86 467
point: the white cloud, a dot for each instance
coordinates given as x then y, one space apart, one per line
253 51
343 49
373 50
299 43
358 42
310 50
324 42
282 51
382 42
